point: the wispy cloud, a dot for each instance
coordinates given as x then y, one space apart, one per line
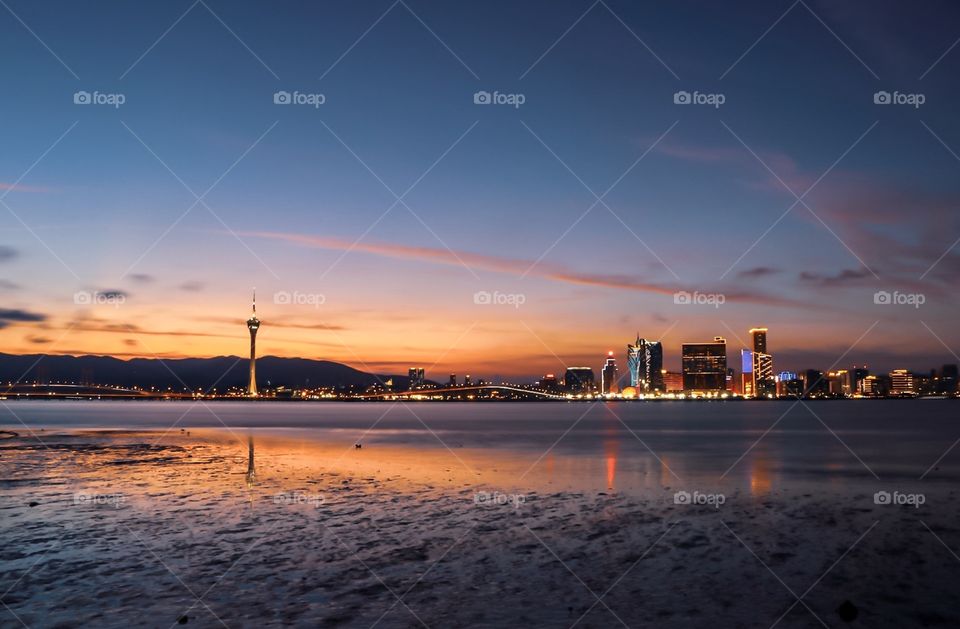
510 266
758 271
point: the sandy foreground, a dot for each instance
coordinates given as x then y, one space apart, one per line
154 529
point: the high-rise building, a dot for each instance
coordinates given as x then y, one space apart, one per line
948 379
704 365
253 324
645 364
764 383
839 383
815 384
857 377
578 380
608 375
416 377
746 365
453 380
759 336
672 381
901 382
467 381
549 383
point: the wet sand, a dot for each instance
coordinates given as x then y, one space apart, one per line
147 528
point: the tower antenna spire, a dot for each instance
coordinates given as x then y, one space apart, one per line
254 300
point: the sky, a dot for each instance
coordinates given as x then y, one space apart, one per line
388 219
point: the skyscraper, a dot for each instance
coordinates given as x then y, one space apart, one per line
415 375
645 365
705 365
253 324
578 379
901 382
608 375
764 383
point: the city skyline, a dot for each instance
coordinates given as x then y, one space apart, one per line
376 221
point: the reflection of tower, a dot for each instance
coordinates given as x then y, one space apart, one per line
251 470
253 324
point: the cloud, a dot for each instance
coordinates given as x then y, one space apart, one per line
8 285
511 266
192 286
844 277
142 278
16 315
8 253
38 340
758 271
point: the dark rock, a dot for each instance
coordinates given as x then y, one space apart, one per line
847 611
182 620
34 503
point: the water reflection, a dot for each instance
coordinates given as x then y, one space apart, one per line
251 470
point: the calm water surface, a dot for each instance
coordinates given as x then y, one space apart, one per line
759 445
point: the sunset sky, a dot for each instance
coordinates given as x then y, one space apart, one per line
398 199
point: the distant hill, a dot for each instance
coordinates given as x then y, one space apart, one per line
197 373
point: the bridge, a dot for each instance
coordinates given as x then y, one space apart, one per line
447 391
51 390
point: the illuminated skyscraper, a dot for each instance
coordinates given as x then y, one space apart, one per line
764 383
253 324
705 365
415 375
578 379
901 382
608 375
645 365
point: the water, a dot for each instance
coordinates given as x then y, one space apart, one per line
758 445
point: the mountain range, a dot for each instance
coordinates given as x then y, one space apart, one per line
198 374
